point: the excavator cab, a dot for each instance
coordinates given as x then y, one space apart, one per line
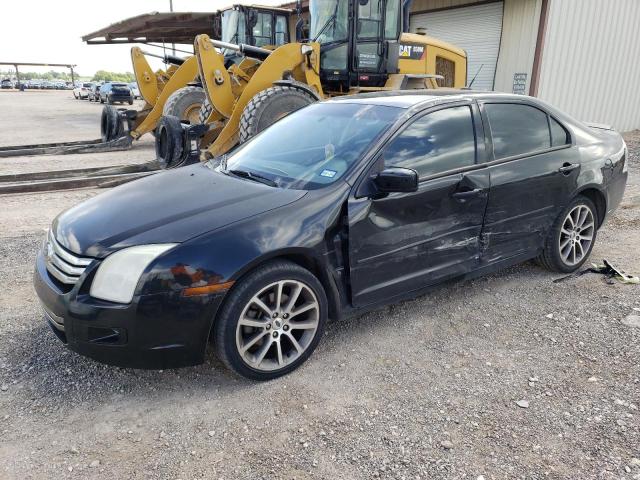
358 41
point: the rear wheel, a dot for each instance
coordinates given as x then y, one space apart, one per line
269 106
271 322
185 104
571 238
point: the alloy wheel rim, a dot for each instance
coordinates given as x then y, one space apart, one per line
576 235
277 325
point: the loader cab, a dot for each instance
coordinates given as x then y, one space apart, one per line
253 25
359 40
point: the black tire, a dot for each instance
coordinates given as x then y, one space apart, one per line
224 330
110 125
269 106
101 99
131 102
551 257
205 110
169 142
185 103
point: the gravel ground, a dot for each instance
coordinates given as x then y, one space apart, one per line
506 376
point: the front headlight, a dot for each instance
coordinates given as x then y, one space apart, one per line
118 275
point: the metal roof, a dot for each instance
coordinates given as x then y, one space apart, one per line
157 27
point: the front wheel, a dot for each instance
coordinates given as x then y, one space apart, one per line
271 322
571 238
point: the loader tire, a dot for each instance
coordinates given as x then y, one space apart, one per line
205 110
185 104
169 142
110 124
269 106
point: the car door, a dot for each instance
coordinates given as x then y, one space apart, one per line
401 242
533 172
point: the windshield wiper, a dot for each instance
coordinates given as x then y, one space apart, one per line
253 176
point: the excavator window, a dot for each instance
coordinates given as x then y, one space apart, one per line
392 20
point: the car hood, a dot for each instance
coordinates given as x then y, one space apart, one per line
167 207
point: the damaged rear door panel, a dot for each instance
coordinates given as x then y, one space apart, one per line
533 173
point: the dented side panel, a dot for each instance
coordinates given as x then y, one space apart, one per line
403 242
525 198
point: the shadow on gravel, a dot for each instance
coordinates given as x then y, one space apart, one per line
37 365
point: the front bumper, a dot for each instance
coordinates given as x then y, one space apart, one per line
162 330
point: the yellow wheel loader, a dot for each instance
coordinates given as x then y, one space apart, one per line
356 46
178 91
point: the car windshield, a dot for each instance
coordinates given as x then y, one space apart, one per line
312 147
328 20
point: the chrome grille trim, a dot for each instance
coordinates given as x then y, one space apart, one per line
63 265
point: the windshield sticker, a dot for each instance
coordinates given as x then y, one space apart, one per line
328 173
329 151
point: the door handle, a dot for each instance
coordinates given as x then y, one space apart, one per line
567 168
466 194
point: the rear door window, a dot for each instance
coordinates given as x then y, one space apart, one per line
437 142
517 129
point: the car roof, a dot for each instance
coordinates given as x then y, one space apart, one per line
411 98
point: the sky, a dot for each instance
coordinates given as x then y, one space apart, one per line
47 31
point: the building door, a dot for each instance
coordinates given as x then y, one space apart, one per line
476 29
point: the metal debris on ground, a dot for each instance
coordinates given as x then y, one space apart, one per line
608 269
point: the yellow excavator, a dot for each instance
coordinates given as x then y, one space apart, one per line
355 46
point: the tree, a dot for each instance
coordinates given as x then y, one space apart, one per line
105 76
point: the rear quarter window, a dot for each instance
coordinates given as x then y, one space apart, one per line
517 129
559 136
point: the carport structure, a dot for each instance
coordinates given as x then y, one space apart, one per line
15 65
155 27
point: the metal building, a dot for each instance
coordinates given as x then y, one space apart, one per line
580 55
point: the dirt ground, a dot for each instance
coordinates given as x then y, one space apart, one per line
424 389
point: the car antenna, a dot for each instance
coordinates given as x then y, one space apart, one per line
475 76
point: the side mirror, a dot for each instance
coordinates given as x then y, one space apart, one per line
396 180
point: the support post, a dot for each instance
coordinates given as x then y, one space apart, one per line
73 78
17 75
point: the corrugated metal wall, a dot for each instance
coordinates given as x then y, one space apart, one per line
422 5
591 60
517 48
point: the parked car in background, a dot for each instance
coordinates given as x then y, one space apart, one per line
135 91
47 84
6 83
94 92
338 208
115 92
34 83
82 91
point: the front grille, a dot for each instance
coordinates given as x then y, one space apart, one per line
63 265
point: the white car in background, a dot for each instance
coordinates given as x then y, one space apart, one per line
133 86
81 91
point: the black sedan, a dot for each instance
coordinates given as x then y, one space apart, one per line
338 208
